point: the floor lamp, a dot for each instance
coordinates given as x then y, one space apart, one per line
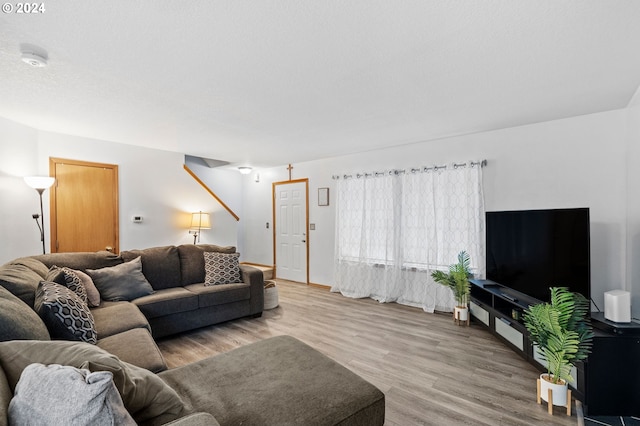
40 183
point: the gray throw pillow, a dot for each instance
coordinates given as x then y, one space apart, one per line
66 316
221 268
62 395
121 282
93 295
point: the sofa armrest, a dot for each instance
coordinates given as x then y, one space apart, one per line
195 419
255 278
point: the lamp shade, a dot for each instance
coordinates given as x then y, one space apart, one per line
39 182
200 220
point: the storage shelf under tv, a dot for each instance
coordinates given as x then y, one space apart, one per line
608 383
500 309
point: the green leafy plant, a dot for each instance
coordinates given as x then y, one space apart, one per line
561 330
457 279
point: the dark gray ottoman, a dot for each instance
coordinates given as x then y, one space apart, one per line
278 381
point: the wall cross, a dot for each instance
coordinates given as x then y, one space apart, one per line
290 168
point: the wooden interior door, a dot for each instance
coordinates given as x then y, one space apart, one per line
84 206
290 230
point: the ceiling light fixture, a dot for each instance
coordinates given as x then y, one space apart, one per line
34 59
244 170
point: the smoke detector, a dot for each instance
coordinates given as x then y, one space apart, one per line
34 59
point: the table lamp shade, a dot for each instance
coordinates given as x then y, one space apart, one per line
200 220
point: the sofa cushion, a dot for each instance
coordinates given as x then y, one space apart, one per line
66 315
256 384
115 317
137 347
221 268
160 265
220 294
195 419
5 398
121 282
145 395
20 280
80 260
18 321
167 301
192 260
32 263
63 395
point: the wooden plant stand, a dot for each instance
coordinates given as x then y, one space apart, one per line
457 321
550 400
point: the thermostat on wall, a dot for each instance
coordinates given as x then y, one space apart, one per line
136 219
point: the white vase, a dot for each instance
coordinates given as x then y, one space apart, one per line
559 391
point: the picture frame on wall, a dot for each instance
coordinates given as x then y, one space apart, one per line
323 196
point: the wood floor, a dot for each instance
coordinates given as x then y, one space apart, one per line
431 371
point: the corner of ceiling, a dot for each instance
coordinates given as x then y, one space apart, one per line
635 99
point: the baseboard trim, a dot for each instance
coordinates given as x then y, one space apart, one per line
322 286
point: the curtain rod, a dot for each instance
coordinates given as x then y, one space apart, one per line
397 172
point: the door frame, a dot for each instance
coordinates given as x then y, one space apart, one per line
275 222
53 223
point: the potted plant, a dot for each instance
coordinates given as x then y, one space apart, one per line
458 281
563 334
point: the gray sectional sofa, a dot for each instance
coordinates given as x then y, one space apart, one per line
180 301
276 381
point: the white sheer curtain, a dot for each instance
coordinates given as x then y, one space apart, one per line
394 228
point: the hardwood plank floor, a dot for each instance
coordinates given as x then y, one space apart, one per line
432 371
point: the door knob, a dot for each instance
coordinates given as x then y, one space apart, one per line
109 248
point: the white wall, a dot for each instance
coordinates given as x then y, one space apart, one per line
576 162
152 184
19 234
589 161
633 206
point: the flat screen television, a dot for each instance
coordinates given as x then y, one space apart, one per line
533 250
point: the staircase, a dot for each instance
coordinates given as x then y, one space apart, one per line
267 271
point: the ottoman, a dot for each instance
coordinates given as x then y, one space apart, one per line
277 381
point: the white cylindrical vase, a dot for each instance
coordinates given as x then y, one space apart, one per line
559 391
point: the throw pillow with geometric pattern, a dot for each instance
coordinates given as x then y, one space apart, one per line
73 282
65 314
221 268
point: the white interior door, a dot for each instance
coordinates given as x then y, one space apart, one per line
291 230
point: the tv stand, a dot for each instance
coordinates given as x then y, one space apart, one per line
607 383
509 297
500 309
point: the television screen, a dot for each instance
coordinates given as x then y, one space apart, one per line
533 250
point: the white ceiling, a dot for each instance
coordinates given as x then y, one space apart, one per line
283 81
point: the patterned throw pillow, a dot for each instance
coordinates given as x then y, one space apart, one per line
221 268
73 282
64 313
93 295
